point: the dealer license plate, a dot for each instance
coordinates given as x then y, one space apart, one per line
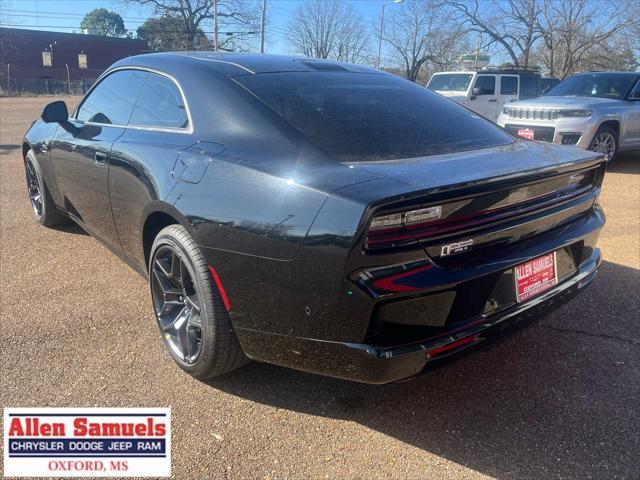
526 133
536 276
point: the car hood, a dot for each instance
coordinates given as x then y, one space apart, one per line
564 102
454 170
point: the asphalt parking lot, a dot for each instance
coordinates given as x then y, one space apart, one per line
558 400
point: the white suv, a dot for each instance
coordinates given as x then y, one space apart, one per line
486 92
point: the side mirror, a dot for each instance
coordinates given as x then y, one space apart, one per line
476 91
55 112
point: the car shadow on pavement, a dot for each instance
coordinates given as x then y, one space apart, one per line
625 163
71 227
558 400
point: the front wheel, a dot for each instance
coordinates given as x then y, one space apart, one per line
189 308
42 205
605 141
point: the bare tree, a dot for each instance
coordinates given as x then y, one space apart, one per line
632 25
328 29
512 24
580 34
423 34
237 20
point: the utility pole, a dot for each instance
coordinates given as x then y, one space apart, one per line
68 78
215 25
381 33
264 14
475 64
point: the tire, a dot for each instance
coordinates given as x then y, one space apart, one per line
602 142
189 308
42 205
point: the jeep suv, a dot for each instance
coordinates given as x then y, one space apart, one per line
596 111
488 90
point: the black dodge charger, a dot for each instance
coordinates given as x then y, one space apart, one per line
314 214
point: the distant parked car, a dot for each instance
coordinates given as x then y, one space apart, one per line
487 91
596 111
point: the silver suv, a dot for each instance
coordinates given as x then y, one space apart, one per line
596 111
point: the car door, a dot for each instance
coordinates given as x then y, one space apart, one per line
144 160
630 137
509 87
484 99
82 146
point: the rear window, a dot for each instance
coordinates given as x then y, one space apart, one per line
365 117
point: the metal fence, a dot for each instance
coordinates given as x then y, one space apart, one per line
44 86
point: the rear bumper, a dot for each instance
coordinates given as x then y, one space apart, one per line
372 364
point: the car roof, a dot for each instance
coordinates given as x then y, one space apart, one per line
243 63
497 71
620 73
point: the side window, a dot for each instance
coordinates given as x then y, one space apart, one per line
508 85
486 84
635 93
113 98
529 87
160 105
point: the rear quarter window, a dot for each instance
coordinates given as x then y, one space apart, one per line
160 105
367 117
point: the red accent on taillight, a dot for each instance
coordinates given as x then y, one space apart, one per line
451 346
223 294
389 283
387 237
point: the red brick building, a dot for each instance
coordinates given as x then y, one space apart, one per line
34 57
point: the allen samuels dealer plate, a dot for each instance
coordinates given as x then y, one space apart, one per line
536 276
87 442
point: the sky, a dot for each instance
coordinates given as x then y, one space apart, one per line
65 16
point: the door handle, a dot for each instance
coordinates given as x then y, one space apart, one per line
100 158
493 100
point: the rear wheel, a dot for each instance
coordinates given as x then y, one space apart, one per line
191 314
44 210
605 141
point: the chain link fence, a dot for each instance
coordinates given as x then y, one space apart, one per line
44 86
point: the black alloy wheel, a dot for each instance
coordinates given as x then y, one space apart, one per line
189 308
177 304
34 190
43 207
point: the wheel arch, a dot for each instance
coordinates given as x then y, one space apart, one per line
157 216
614 124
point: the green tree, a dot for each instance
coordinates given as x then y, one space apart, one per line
103 22
167 33
236 19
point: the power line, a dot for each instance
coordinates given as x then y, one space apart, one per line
80 18
39 13
249 32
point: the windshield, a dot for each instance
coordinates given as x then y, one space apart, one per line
595 85
364 117
450 82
